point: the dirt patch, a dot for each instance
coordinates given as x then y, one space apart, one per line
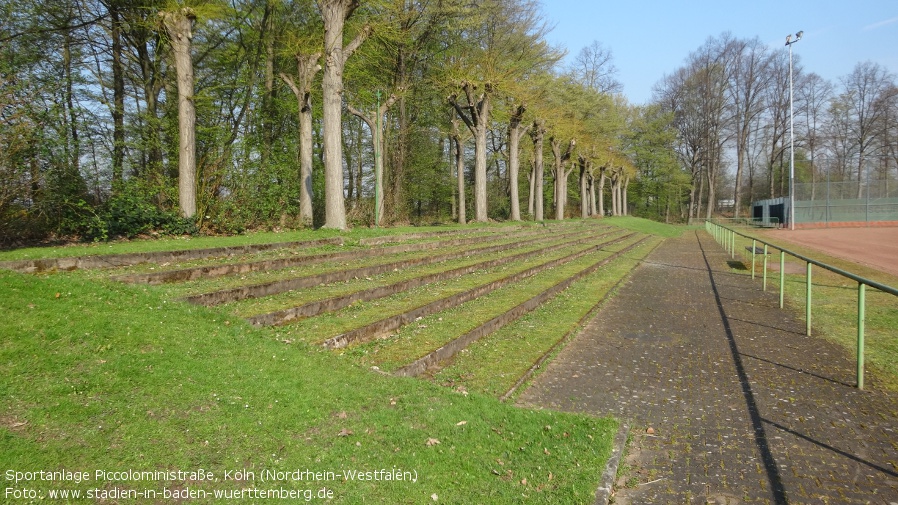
874 247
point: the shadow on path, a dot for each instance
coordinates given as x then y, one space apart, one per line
769 462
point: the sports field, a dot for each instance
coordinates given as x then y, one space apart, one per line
874 247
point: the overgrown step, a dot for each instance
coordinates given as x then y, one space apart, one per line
335 303
209 271
124 260
453 347
575 328
389 324
281 286
388 239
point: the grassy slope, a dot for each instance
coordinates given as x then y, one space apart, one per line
99 375
115 377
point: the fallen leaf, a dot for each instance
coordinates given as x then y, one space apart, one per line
650 430
524 481
461 423
434 497
551 476
342 415
546 451
58 295
344 433
431 442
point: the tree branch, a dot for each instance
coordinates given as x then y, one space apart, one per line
356 42
453 100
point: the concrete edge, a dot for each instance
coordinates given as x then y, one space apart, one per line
606 486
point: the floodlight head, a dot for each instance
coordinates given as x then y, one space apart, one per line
798 35
788 38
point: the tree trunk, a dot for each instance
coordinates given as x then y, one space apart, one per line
584 199
267 36
459 171
118 98
538 136
530 192
476 115
515 132
334 13
561 174
602 192
375 125
624 209
179 25
592 195
306 68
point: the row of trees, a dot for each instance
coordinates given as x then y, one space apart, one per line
731 107
125 116
121 117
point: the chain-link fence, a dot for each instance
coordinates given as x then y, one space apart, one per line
846 202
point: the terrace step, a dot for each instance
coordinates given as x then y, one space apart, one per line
450 349
124 260
338 302
210 271
389 324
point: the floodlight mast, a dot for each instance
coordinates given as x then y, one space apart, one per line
789 43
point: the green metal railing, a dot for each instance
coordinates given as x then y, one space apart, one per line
726 237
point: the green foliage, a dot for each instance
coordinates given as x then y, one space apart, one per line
127 214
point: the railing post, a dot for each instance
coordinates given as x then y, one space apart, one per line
808 310
782 276
733 244
765 268
861 288
754 243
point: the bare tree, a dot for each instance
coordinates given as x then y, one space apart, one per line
375 125
475 112
865 88
747 83
594 68
560 172
538 135
814 94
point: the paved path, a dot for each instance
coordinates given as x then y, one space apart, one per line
744 408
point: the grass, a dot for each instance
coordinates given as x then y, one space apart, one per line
424 336
834 306
116 377
104 375
202 242
322 327
646 226
493 364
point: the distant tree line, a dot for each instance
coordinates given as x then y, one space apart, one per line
730 103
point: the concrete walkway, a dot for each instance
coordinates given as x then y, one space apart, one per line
742 406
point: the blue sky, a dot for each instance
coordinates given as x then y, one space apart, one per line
651 39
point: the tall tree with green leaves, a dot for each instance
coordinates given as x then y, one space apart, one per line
510 45
178 24
334 13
